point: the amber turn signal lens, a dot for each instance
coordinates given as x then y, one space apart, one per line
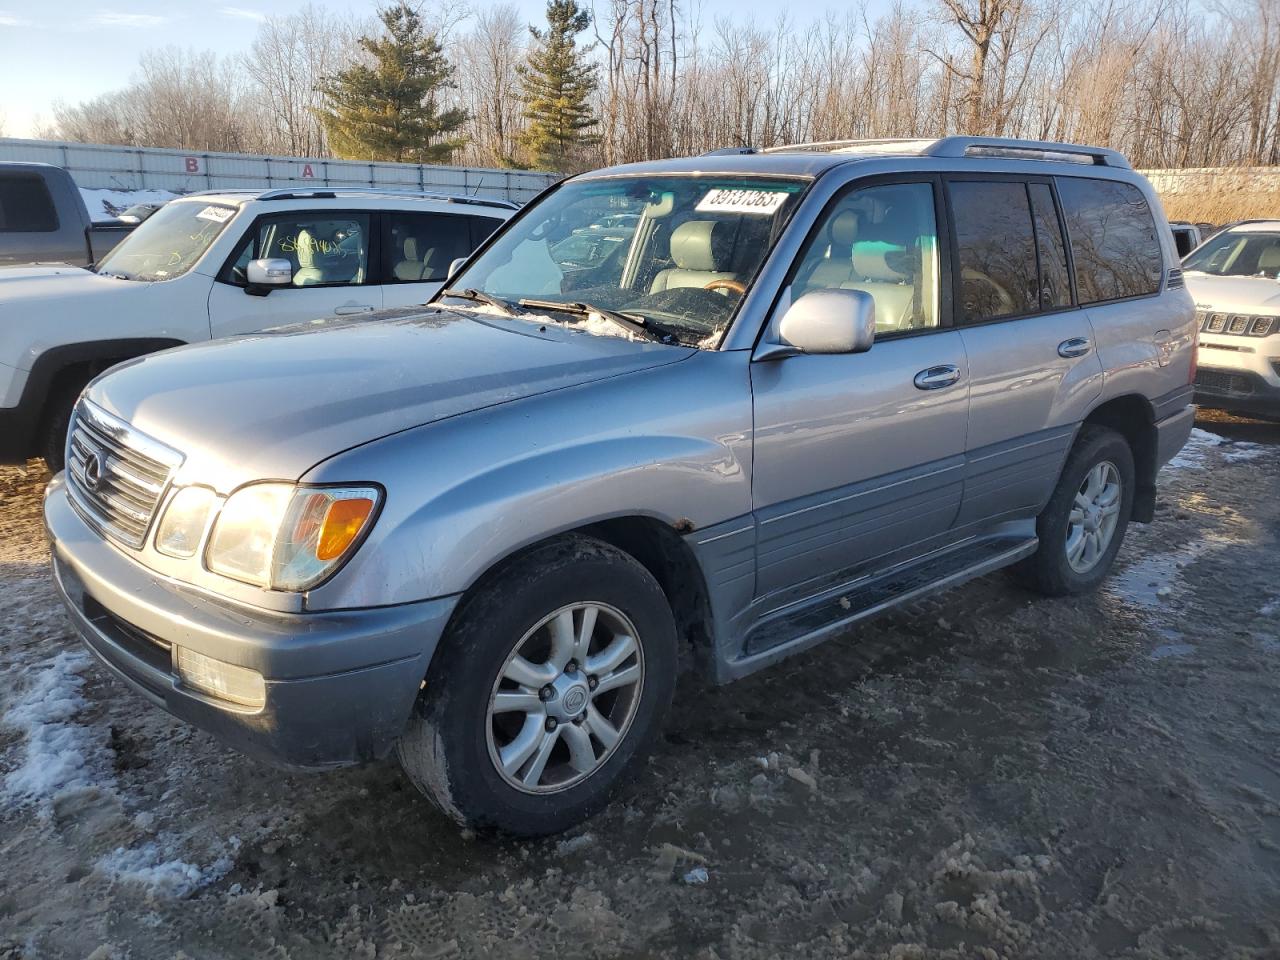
342 524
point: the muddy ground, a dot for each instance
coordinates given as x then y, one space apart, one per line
986 774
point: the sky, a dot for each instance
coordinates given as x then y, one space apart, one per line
73 50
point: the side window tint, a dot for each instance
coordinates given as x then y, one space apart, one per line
1113 239
1055 282
481 228
324 249
420 246
882 240
997 250
25 206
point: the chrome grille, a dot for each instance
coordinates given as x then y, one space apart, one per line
117 475
1239 324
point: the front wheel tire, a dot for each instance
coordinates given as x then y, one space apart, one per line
1082 526
549 689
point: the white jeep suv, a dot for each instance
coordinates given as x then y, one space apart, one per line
1234 277
213 265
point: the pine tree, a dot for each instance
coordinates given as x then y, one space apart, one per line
390 109
556 86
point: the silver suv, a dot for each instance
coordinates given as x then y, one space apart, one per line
739 402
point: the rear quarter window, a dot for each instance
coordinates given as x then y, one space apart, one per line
25 205
1113 239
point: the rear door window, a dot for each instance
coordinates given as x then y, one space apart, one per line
420 246
996 247
1113 239
25 206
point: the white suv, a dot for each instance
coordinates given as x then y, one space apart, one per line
1234 277
212 265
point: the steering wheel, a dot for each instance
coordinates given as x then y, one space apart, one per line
734 286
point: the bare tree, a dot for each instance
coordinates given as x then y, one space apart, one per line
490 86
290 58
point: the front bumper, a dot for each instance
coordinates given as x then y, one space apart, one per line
340 685
1236 390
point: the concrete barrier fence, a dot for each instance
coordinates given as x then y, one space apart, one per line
97 166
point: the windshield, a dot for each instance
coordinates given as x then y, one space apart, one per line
675 253
1238 254
168 243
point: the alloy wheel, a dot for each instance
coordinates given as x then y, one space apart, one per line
565 697
1094 516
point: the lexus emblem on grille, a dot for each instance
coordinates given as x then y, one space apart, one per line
92 471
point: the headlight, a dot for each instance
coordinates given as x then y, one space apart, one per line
182 526
284 537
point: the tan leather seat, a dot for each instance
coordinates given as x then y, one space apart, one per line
308 272
1269 260
699 254
412 267
893 293
837 269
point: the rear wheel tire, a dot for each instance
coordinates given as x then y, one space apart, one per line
548 691
1083 524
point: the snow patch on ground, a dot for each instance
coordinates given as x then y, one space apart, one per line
107 204
1200 442
152 865
57 754
1193 454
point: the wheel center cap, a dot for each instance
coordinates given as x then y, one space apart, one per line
570 696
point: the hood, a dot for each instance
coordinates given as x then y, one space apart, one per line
274 404
53 281
1243 294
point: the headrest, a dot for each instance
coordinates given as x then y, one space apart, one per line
843 230
698 245
1269 259
411 248
869 260
306 248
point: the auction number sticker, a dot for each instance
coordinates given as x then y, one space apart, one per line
216 214
764 202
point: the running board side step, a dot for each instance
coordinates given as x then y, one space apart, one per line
802 625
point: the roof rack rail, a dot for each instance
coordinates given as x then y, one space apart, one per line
333 193
729 152
958 146
1013 149
291 193
884 145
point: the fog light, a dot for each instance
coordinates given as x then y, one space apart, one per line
222 680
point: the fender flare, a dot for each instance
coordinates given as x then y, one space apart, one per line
20 424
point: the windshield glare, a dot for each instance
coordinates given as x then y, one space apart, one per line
1238 254
676 252
168 243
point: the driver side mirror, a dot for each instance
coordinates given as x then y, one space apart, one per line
262 275
455 267
827 321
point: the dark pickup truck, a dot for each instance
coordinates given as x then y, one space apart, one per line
43 218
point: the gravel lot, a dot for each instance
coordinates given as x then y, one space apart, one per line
983 775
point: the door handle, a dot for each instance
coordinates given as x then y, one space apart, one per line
935 378
351 310
1075 347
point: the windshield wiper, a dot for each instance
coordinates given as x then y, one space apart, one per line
479 296
632 324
